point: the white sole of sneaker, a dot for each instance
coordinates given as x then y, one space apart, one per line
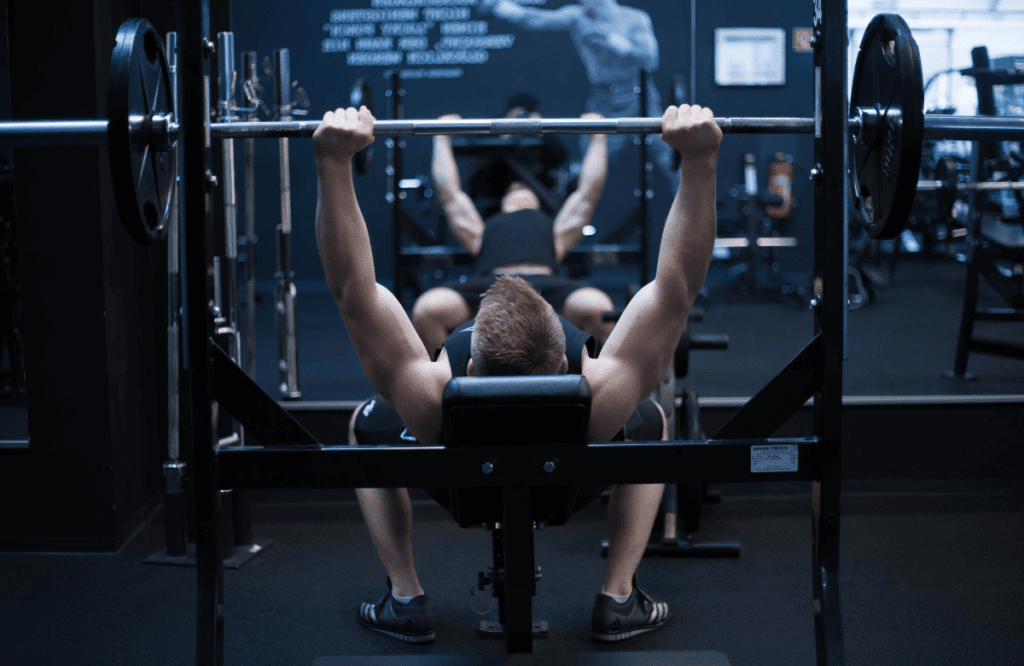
425 638
621 636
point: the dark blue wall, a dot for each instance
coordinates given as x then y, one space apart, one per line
544 64
794 99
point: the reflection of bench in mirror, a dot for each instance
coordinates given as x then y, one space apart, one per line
996 229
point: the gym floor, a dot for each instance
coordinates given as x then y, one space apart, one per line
927 578
931 574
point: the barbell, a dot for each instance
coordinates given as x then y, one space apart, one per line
887 127
96 132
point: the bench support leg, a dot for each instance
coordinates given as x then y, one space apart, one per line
519 569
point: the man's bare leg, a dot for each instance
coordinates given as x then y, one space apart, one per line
632 510
583 308
631 513
438 312
388 515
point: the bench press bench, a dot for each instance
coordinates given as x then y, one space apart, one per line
529 468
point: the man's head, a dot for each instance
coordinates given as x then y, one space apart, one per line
522 105
516 332
519 197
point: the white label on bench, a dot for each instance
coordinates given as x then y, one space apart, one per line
774 458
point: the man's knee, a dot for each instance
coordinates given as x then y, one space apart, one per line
585 306
439 305
647 423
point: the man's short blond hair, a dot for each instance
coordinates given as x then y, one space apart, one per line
516 332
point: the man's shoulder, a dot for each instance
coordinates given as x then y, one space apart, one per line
419 404
634 14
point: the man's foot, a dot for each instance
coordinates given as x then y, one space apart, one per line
412 622
612 621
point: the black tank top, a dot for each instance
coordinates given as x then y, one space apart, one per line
522 237
576 340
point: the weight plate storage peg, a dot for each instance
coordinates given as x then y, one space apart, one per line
888 91
360 96
143 165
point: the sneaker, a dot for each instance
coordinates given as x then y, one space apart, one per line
412 622
612 621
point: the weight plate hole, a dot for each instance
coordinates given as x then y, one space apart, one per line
151 46
867 202
889 48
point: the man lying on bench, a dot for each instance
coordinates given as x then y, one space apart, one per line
515 333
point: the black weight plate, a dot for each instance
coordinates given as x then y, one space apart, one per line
140 86
887 78
361 97
947 173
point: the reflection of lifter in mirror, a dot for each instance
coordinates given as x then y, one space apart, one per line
614 43
541 162
519 240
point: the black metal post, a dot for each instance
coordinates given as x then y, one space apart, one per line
196 157
963 340
498 582
285 293
983 151
984 84
227 530
241 509
175 508
830 152
642 185
394 173
249 74
519 571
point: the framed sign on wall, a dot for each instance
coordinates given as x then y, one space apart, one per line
750 56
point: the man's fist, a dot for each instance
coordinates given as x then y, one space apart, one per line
691 130
343 133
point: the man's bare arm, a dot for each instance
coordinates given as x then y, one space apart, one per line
463 218
578 208
530 17
391 352
632 38
642 344
643 44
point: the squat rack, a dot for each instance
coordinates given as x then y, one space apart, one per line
300 461
888 127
